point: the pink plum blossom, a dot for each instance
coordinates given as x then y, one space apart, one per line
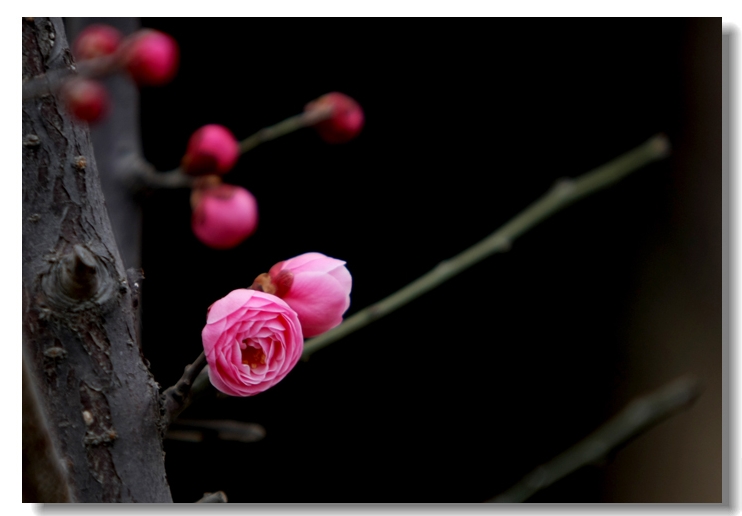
251 340
224 216
316 286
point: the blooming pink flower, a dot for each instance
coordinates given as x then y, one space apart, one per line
224 215
345 122
95 41
251 340
316 286
212 149
151 57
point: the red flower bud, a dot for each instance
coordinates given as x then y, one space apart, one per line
315 286
96 41
212 149
85 99
345 122
151 57
224 216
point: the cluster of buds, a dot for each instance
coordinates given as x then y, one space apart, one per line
225 215
254 337
150 57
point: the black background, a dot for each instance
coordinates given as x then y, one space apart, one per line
457 395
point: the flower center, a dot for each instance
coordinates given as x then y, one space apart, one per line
252 356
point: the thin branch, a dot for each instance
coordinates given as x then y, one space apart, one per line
285 127
564 193
176 178
639 416
176 398
197 430
218 497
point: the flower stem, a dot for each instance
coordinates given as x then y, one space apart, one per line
636 418
285 127
562 194
177 179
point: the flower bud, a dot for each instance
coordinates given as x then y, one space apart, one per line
224 215
315 286
85 99
251 342
345 122
151 57
96 41
212 149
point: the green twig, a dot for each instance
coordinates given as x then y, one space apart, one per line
284 127
639 416
564 193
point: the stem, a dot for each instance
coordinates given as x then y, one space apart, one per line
177 179
178 397
284 127
639 416
563 193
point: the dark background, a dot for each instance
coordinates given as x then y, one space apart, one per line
456 396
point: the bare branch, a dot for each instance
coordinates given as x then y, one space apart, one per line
639 416
193 430
564 193
175 399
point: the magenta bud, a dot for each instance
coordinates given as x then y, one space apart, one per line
151 57
96 41
315 286
345 122
224 216
85 99
212 149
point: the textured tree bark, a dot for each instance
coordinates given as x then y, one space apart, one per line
118 149
79 318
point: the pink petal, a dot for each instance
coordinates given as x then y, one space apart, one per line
229 304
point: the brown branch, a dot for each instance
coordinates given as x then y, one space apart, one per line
175 399
639 416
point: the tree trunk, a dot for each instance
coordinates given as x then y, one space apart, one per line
79 313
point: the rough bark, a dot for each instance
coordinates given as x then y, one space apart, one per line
79 319
118 150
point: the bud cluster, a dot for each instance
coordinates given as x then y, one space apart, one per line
225 215
150 58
